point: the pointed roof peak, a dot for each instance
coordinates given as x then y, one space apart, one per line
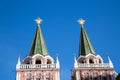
38 44
85 46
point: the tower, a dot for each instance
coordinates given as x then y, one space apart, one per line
89 65
38 64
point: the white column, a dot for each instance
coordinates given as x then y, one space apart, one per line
78 75
17 76
57 76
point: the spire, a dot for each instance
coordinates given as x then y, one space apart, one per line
110 62
38 44
18 60
85 44
75 62
57 61
18 63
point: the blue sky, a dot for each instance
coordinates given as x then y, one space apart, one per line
60 29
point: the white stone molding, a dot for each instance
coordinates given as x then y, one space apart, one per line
18 76
77 75
37 55
57 76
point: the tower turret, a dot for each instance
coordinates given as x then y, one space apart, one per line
38 64
90 66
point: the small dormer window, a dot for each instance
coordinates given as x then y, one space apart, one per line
91 61
82 61
38 62
28 62
100 61
48 61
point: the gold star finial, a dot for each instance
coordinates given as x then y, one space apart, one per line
81 21
38 21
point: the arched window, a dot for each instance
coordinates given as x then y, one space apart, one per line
95 74
38 76
91 61
28 76
104 76
27 62
100 61
48 76
38 62
82 61
86 74
49 61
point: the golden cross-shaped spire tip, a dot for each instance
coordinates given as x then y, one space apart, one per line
81 21
38 21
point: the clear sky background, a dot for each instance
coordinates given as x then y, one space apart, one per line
60 29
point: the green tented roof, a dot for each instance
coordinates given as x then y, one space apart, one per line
38 44
85 44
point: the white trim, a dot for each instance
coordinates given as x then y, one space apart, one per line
49 57
44 57
57 76
98 56
37 55
77 75
17 76
91 55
